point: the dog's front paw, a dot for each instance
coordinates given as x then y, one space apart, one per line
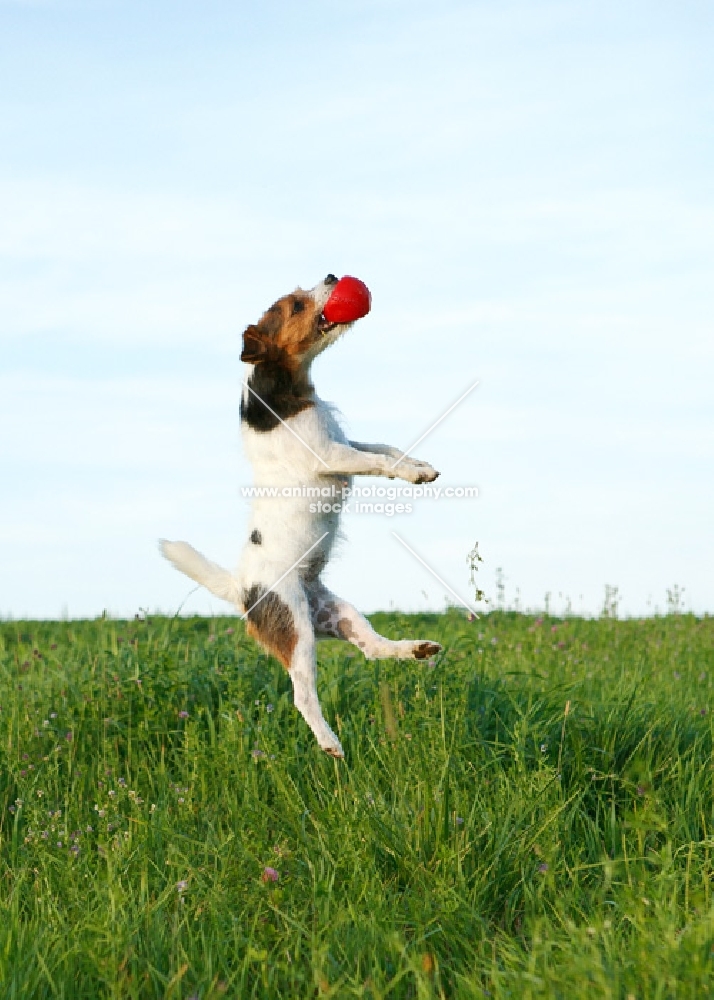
417 472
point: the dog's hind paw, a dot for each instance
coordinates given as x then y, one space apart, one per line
423 650
334 751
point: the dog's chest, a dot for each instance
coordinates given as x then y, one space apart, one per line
291 452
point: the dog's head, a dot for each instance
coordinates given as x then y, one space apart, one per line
293 331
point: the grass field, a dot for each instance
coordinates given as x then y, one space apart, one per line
531 815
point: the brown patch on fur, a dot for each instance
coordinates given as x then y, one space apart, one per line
344 629
271 623
284 334
426 649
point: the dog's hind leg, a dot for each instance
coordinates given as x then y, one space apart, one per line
333 617
280 621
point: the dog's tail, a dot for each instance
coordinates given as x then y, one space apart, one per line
209 574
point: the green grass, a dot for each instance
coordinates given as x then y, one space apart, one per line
529 816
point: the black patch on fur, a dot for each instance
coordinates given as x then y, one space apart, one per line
285 395
271 622
314 567
256 537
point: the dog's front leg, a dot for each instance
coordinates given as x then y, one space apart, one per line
345 459
377 449
394 453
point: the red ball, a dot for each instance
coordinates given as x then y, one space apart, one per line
350 300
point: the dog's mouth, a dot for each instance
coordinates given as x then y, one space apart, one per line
324 326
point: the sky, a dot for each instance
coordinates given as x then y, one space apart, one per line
528 191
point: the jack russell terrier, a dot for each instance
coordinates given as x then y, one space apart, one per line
293 439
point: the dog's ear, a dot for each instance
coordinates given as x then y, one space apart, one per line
255 349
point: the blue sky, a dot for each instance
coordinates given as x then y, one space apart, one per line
526 188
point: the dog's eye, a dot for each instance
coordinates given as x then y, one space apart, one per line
298 306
